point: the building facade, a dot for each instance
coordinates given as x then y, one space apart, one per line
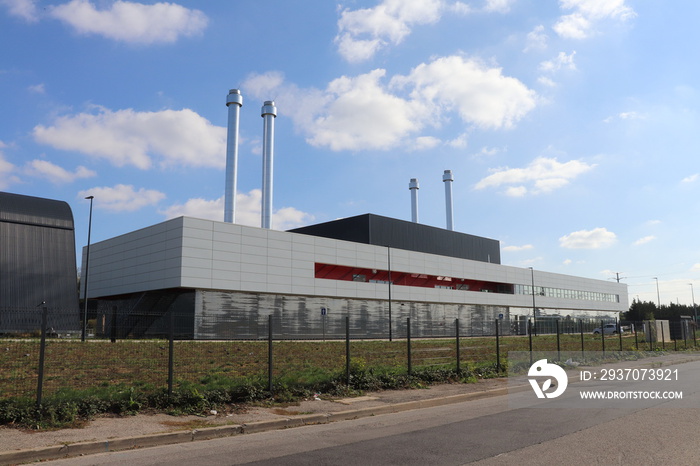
37 264
223 280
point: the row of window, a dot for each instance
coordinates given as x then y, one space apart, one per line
358 274
567 294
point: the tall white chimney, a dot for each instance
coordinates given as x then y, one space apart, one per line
234 102
447 179
413 187
268 113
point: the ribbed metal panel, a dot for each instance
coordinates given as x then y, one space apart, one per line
35 211
37 260
222 314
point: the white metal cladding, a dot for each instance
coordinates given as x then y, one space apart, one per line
203 254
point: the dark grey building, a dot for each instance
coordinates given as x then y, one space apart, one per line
410 236
37 264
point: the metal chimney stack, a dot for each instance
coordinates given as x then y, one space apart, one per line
413 187
447 179
234 102
268 113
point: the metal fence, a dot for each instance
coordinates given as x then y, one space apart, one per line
52 361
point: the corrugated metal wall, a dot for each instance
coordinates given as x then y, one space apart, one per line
37 262
222 314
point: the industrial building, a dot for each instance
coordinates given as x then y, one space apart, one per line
223 280
37 264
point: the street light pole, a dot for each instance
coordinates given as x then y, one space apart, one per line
534 309
658 296
695 311
388 259
87 266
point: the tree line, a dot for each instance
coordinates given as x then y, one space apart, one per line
648 310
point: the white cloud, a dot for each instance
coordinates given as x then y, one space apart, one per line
525 247
56 174
361 33
536 39
248 208
460 7
695 268
460 142
127 137
132 22
25 9
37 89
579 24
631 116
7 170
588 239
123 198
545 81
543 174
562 60
487 152
567 262
516 191
691 179
426 142
644 240
480 94
360 113
626 116
573 26
498 6
365 113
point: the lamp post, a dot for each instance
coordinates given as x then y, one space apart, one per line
658 296
388 259
695 311
534 309
87 266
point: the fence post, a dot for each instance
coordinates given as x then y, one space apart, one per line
602 335
171 352
113 329
580 327
408 342
457 343
663 337
529 325
558 345
498 349
269 353
42 354
675 344
636 342
619 333
695 342
347 349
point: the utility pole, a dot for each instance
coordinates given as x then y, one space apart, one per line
618 277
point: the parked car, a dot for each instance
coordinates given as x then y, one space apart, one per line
608 329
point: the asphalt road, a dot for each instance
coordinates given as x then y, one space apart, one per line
487 431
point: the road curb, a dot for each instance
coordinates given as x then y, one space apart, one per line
208 433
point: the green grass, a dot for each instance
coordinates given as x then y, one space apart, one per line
82 379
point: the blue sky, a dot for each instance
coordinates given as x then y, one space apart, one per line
570 126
